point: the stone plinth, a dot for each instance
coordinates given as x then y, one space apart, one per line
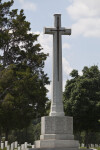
56 125
57 132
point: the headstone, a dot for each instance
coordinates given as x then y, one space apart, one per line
82 145
22 146
18 148
2 145
96 145
25 145
57 129
6 143
92 145
12 146
8 147
32 146
16 144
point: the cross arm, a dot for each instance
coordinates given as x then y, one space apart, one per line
65 31
49 30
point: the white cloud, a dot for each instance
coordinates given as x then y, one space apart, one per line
87 27
28 5
66 66
66 71
84 8
49 89
66 46
64 83
21 1
86 14
80 73
45 41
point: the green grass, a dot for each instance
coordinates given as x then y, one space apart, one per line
3 149
29 146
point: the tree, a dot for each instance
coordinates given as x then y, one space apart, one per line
22 79
82 100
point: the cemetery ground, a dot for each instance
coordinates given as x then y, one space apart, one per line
15 146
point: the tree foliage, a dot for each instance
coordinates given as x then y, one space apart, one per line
82 99
22 79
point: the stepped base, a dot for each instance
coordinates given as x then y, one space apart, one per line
56 143
56 134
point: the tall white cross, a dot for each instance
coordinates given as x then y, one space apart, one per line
57 31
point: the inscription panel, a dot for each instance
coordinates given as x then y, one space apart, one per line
57 125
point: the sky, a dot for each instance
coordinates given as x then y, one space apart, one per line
80 49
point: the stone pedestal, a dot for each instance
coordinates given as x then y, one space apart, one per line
57 133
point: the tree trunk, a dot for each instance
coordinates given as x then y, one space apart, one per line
6 135
4 60
0 136
87 140
26 133
19 137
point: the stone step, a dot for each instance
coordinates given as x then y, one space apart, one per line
56 143
57 137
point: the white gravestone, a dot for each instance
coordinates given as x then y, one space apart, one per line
25 145
82 144
2 145
16 144
6 143
96 145
8 147
32 146
12 146
92 145
22 146
19 148
57 31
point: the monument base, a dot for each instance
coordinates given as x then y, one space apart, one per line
56 134
56 143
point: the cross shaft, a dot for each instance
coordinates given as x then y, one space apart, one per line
57 31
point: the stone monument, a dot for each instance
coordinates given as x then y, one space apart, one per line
57 129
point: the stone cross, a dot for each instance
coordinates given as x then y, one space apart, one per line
57 31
